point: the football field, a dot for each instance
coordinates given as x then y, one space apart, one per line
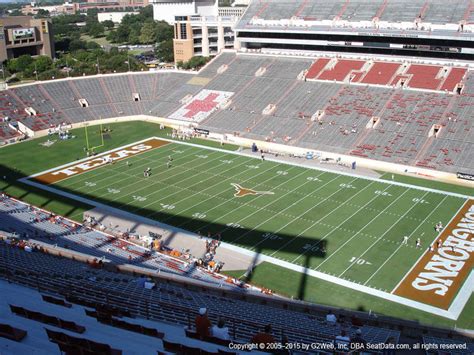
341 225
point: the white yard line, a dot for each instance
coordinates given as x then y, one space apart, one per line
381 236
401 245
138 181
276 160
283 210
320 219
191 176
360 230
210 187
340 224
84 176
214 196
283 162
450 314
96 156
99 172
245 204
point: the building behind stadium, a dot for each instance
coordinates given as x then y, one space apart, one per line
25 35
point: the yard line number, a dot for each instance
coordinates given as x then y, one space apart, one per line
359 261
139 198
167 206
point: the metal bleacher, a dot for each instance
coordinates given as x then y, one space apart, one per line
168 302
30 222
433 11
402 134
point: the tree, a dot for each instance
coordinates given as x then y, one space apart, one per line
134 35
43 63
50 74
15 12
92 14
163 31
147 33
194 63
114 51
164 51
62 44
20 64
117 63
90 45
108 24
42 13
96 30
146 12
120 35
76 44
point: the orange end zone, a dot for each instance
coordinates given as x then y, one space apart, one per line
439 274
97 161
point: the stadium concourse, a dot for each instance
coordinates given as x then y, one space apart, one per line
391 110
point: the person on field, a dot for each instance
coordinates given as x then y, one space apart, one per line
418 243
405 240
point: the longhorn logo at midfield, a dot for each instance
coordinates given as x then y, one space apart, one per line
242 191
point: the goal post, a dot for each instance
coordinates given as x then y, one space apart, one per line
94 139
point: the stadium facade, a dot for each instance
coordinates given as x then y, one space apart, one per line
410 28
25 35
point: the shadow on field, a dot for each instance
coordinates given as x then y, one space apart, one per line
259 241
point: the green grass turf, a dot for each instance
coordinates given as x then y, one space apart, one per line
288 283
442 186
341 225
26 158
102 41
317 219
